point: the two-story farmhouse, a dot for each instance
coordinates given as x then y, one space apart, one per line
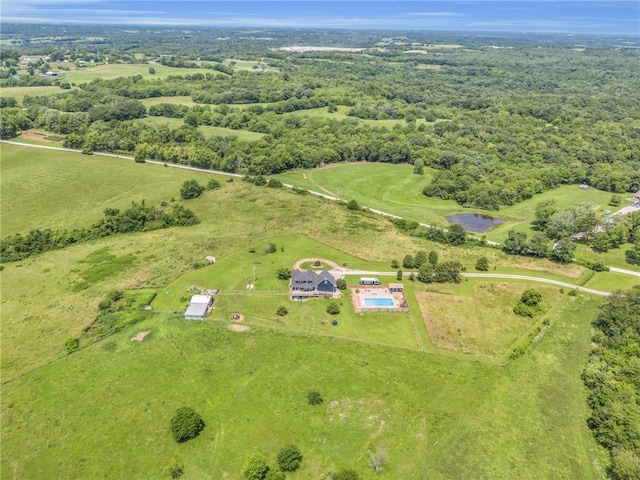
309 284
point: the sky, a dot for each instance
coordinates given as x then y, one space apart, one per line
569 16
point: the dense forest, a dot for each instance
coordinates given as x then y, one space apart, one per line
613 379
501 119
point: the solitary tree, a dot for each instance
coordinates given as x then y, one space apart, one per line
377 460
563 251
186 424
456 234
399 275
255 467
152 71
333 308
341 284
408 262
482 265
289 458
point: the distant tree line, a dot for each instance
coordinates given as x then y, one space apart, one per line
138 217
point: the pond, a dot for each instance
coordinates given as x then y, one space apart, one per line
474 222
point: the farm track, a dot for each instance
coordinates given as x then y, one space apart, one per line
332 198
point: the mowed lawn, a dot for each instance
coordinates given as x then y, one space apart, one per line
114 70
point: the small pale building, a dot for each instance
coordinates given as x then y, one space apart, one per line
198 307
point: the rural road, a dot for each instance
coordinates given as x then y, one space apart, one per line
287 185
218 172
340 271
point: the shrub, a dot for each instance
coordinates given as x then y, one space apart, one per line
345 475
408 262
395 264
283 273
333 308
270 248
289 458
213 184
523 310
197 265
377 460
482 265
353 205
177 471
282 311
314 397
341 283
531 297
273 183
186 424
191 189
71 344
255 467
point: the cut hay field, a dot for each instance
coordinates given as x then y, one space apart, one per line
104 410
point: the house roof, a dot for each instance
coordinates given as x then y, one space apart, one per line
196 310
201 299
309 276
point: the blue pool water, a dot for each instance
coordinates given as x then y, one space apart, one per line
378 302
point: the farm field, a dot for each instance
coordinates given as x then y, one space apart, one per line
20 92
112 399
114 70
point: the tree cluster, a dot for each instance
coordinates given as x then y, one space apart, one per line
613 380
138 217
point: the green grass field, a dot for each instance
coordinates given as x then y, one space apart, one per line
19 92
207 130
180 100
341 114
104 410
114 70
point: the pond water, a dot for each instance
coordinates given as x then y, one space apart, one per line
474 222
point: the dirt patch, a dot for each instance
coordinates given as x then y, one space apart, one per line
140 336
236 317
31 135
238 328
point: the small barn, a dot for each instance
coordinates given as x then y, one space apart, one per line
198 307
396 288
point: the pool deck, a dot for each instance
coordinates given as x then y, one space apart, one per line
399 300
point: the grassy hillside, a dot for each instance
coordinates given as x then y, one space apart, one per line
103 411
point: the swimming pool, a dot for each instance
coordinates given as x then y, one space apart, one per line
378 302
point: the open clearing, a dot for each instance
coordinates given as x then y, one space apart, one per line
207 130
104 410
482 323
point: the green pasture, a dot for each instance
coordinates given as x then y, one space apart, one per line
248 65
179 100
341 114
396 189
20 92
115 70
104 410
207 130
613 258
48 189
